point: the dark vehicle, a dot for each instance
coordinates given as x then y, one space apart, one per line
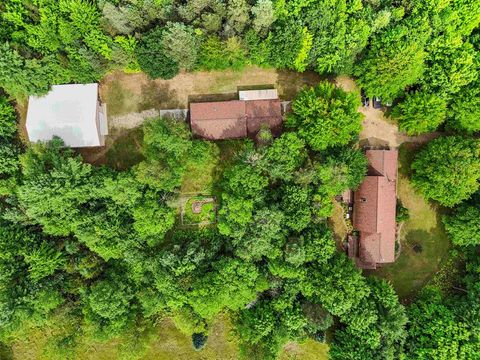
377 102
365 99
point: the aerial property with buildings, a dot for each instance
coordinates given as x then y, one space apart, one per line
273 180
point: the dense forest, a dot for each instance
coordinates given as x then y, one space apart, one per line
98 250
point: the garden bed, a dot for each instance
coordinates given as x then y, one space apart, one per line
199 210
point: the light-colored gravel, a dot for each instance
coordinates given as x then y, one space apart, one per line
131 120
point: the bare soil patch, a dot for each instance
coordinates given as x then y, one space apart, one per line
379 131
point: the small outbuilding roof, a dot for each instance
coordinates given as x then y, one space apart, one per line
266 94
69 112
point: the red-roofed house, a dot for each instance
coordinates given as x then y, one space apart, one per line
374 210
235 119
219 120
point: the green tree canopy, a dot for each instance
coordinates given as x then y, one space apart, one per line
450 65
448 169
464 109
441 330
325 116
463 224
375 329
394 60
152 56
420 112
180 45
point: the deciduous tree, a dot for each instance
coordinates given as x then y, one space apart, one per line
152 56
463 224
464 109
420 112
448 169
325 116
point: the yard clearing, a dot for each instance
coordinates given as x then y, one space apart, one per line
133 93
379 130
309 350
167 343
133 98
425 246
338 224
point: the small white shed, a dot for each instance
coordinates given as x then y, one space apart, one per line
265 94
71 112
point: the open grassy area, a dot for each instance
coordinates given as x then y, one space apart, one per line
166 343
309 350
337 223
425 246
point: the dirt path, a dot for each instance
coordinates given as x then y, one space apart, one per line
131 120
378 131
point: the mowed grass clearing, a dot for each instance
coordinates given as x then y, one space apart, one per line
424 230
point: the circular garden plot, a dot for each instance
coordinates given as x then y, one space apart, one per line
199 210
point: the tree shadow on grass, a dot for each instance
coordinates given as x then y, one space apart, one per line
6 352
119 100
291 82
255 87
125 152
158 96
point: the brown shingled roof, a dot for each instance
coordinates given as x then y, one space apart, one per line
375 208
234 119
260 112
219 120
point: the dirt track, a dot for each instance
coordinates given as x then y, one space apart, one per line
378 131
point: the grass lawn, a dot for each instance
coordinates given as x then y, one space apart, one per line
424 229
337 223
167 343
309 350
